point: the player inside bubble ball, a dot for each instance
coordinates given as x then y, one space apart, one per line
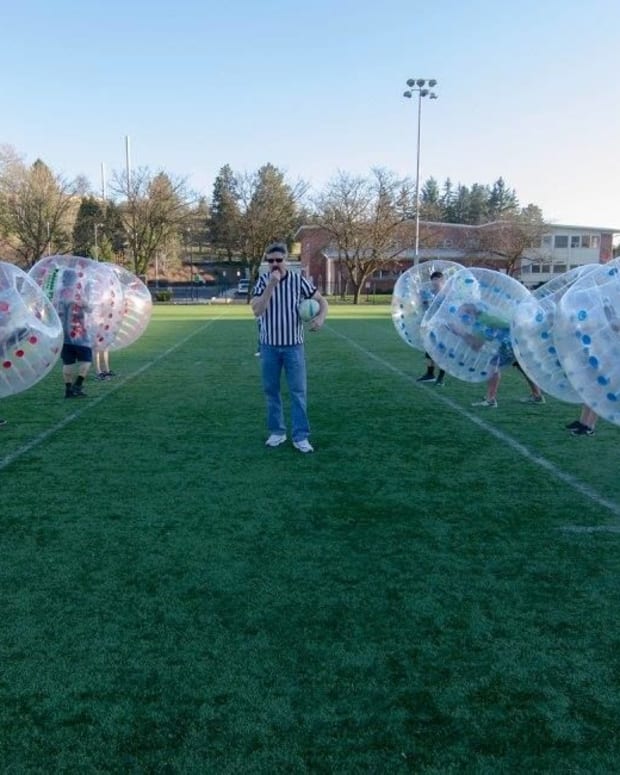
76 354
427 295
480 327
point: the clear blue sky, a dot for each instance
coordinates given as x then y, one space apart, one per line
528 90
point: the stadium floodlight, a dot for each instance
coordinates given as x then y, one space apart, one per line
418 86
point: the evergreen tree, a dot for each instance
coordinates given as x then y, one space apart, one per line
503 201
431 208
447 200
269 212
458 209
89 224
478 207
225 217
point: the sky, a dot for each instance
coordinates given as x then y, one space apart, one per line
526 90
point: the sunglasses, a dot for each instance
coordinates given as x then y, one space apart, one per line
277 260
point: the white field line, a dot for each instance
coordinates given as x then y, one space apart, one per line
583 489
90 403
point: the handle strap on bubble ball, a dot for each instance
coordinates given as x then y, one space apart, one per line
50 283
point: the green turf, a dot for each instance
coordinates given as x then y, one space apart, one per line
176 598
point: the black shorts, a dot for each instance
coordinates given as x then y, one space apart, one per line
72 353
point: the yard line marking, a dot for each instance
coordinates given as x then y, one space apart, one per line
583 489
6 461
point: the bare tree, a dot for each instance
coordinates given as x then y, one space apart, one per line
37 209
154 210
511 237
366 220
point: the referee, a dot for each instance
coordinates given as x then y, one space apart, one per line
275 300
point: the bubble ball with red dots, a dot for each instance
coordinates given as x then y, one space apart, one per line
87 296
137 308
30 331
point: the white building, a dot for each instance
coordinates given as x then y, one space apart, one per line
565 247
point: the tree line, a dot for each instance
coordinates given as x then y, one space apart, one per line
151 216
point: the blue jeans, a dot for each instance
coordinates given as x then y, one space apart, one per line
292 360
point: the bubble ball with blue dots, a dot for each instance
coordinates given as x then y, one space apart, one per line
413 294
466 330
587 338
533 335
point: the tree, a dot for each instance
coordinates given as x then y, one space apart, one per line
88 230
458 209
225 218
154 210
478 205
503 201
513 235
446 200
269 212
365 220
38 209
430 201
198 220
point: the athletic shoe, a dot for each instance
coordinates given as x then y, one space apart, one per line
439 383
110 374
2 421
531 399
572 426
101 376
76 392
303 446
275 440
257 355
426 378
583 430
489 402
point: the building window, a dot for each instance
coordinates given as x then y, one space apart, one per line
585 241
526 268
595 241
574 241
536 268
546 241
559 268
561 241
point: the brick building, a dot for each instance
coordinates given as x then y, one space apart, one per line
560 248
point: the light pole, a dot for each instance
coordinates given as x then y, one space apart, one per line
420 86
97 226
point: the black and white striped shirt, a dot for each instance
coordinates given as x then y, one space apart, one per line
280 324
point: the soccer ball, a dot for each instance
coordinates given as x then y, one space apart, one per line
308 309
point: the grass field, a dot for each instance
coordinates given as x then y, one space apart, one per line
435 590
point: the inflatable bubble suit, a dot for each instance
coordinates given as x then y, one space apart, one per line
466 330
587 338
87 296
413 293
137 308
533 341
30 331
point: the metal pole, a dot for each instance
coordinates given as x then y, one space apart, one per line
103 191
128 163
416 254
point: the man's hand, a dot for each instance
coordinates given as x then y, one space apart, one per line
275 277
317 323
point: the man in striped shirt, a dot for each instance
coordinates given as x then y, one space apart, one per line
275 301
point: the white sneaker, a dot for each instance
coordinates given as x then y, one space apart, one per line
303 446
275 440
488 402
